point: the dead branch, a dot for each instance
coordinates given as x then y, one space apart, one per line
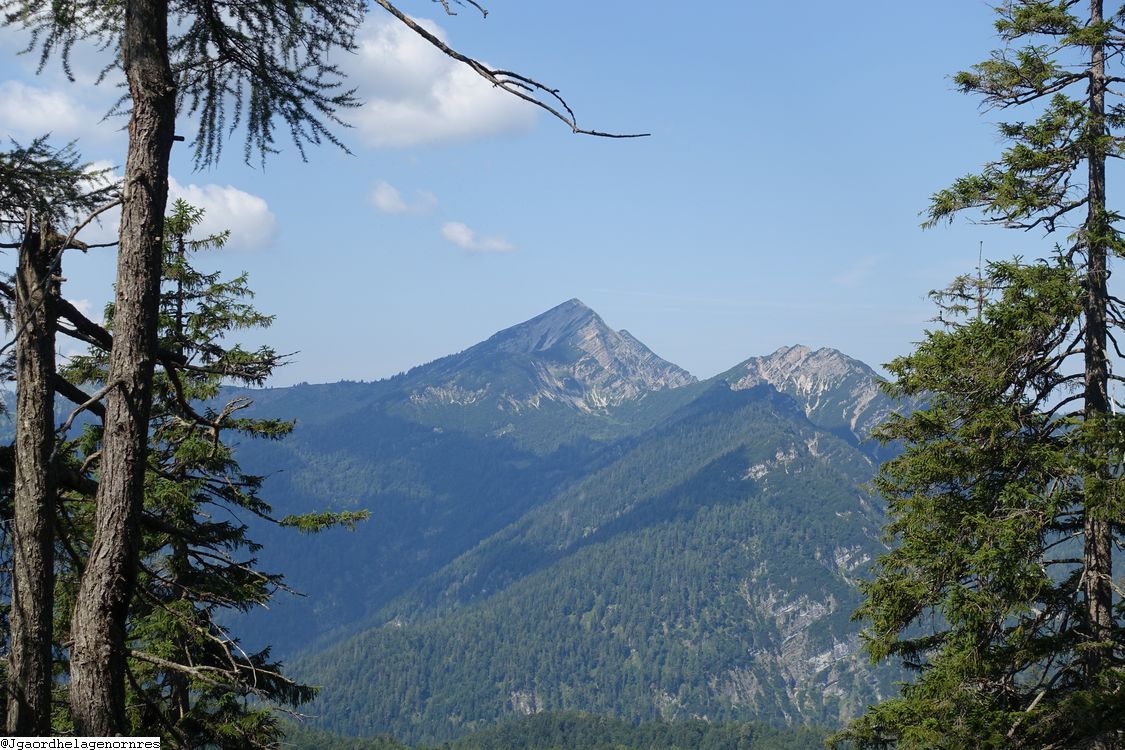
515 84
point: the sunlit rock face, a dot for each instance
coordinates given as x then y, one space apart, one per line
568 354
837 392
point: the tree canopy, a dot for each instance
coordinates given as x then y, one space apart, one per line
1006 506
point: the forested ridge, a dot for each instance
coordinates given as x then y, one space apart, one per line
562 731
660 585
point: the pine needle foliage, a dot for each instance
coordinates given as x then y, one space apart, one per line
1007 507
189 678
980 595
51 184
256 66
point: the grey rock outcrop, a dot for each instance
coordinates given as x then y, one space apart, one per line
567 355
837 392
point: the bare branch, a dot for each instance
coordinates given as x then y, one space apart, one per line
518 85
86 405
65 388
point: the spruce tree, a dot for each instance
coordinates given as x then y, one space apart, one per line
188 677
1007 504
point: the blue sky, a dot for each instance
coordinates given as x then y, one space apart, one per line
777 201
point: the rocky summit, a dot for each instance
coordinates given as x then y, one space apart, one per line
837 392
567 355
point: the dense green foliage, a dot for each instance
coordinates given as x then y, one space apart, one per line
303 737
1006 507
570 731
706 571
986 505
580 732
189 678
422 483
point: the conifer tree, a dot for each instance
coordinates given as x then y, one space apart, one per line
1007 503
188 677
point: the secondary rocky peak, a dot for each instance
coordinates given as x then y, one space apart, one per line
800 368
836 391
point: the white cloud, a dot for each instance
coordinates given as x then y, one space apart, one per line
387 198
416 95
248 217
251 223
466 239
30 112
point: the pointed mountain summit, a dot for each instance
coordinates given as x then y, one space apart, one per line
561 323
567 355
838 393
690 551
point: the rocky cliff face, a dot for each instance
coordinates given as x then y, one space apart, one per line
566 355
837 392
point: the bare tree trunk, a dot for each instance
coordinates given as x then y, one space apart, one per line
97 688
33 580
1097 554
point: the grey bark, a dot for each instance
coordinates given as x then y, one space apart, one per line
97 688
33 582
1098 562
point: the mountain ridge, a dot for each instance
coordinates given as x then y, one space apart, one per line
837 392
708 570
566 355
559 454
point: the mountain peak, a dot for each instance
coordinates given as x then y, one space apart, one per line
546 330
836 391
788 360
566 355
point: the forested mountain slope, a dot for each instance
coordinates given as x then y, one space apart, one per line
570 731
564 522
708 571
443 456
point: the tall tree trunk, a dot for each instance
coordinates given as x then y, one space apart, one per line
1097 555
33 580
97 688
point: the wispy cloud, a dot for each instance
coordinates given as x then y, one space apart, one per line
415 95
387 198
466 239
